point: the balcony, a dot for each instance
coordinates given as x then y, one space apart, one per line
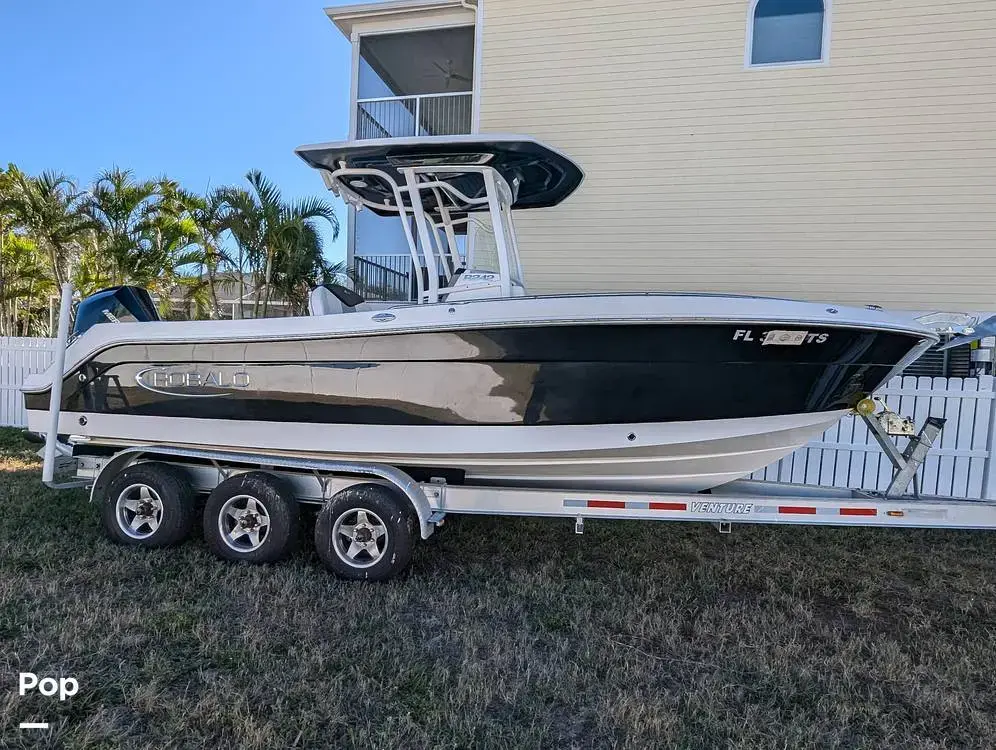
448 113
383 277
406 83
417 83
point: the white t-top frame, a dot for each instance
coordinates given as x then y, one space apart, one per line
433 243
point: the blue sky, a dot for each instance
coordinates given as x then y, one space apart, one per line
201 91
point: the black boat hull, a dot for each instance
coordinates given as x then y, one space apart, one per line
551 375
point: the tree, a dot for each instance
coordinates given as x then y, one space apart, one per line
90 272
25 286
173 248
302 266
209 216
275 238
123 212
177 244
155 234
46 208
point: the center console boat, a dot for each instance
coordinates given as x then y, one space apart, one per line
474 379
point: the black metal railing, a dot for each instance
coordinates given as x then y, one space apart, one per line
383 277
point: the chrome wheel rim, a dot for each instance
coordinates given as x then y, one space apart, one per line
359 538
139 511
244 523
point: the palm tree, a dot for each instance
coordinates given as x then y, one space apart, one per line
155 234
210 218
243 219
25 286
46 208
90 272
174 250
274 238
124 211
302 266
176 245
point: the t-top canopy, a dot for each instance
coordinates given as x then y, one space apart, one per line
539 175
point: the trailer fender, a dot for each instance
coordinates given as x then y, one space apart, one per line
388 474
118 463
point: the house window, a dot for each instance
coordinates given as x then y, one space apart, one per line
787 31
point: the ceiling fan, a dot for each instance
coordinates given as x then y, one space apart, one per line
449 74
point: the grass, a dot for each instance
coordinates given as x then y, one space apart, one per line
507 633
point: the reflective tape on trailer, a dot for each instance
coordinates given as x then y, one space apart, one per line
721 507
625 504
812 510
745 502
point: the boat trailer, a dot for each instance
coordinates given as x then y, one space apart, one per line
371 515
331 486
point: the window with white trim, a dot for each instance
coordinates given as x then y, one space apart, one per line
785 32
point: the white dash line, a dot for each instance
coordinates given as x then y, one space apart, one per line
34 725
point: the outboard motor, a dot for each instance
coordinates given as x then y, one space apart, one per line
119 304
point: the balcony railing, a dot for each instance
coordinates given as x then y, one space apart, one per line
404 116
383 277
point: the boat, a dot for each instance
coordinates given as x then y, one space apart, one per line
474 381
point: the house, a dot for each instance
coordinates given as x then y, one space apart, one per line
823 149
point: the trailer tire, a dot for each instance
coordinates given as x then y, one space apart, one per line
148 505
252 517
366 533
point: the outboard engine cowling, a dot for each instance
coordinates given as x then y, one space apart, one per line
119 304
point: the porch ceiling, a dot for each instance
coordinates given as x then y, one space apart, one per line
399 15
434 61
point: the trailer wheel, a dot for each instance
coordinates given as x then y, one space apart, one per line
251 517
366 532
148 505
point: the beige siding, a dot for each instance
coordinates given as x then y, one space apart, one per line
870 180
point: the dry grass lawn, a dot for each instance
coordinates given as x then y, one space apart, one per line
507 633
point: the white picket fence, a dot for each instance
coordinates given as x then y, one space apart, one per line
20 357
846 456
960 466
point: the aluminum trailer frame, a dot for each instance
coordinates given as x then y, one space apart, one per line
742 501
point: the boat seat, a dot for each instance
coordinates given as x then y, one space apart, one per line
332 299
